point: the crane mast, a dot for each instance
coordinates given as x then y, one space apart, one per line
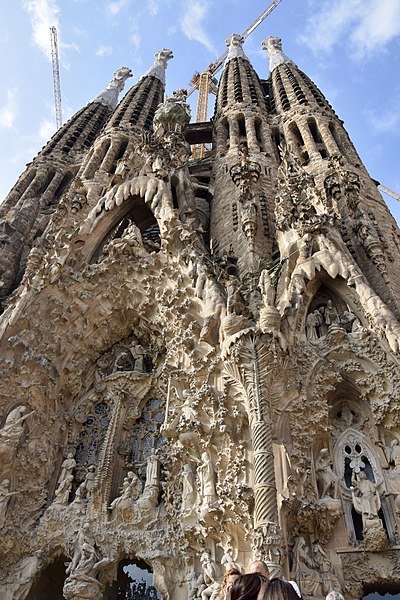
56 75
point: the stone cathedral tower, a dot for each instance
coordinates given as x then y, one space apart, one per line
199 358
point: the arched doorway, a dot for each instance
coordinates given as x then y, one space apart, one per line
51 582
134 582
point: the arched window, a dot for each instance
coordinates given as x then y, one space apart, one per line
91 438
145 435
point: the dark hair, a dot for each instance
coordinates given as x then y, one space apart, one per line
278 589
247 587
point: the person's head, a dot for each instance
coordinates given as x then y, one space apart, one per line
248 587
259 566
227 581
278 589
334 596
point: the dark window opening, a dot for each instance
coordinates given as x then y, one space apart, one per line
242 126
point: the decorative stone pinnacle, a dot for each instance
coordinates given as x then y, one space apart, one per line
109 96
273 45
234 42
160 64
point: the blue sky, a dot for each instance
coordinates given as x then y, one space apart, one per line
350 48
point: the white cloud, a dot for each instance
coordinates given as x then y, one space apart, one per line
115 6
153 7
47 129
135 40
192 22
43 14
387 120
104 50
8 111
366 25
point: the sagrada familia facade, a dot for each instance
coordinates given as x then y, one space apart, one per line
199 357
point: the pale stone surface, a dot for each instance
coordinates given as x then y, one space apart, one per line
200 359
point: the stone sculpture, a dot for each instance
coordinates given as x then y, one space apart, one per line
327 480
205 475
67 468
11 433
5 496
62 493
366 499
131 490
188 490
305 571
82 582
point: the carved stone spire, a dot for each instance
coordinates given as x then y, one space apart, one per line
109 96
235 49
273 45
160 64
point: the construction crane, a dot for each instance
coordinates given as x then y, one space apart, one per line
56 75
206 83
394 195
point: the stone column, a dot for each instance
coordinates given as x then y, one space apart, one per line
267 539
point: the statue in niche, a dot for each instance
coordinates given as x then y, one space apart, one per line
11 432
149 498
130 492
327 480
89 480
304 570
206 481
235 301
366 499
188 490
329 580
67 468
312 322
392 453
267 288
296 481
62 493
5 496
330 313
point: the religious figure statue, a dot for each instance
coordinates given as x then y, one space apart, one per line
11 432
188 489
210 589
151 489
304 570
392 453
89 480
5 496
206 480
329 580
235 302
82 581
61 495
312 323
130 492
84 536
366 499
267 288
327 480
67 468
